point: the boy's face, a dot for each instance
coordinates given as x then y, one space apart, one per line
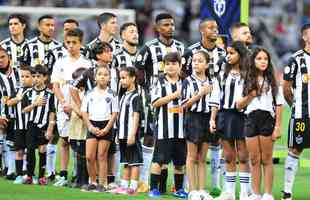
73 44
26 78
172 68
39 79
106 56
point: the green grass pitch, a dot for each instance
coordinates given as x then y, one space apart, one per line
9 191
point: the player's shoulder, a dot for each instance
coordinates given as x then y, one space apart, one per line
151 42
5 42
298 54
196 45
33 40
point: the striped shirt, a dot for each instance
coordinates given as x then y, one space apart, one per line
122 58
39 49
106 100
22 118
151 55
130 103
169 116
116 44
9 85
231 86
54 54
40 114
298 71
17 52
216 54
192 85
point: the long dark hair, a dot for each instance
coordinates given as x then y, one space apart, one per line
243 55
251 82
132 72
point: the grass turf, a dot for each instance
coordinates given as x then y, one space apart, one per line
9 191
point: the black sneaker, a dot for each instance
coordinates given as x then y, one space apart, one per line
89 188
4 171
73 179
286 196
11 177
51 178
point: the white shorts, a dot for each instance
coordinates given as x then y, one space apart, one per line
63 127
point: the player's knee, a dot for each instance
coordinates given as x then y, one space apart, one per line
230 157
255 160
179 169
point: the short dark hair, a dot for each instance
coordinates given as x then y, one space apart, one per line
104 18
71 21
25 67
205 55
100 47
40 69
162 16
304 27
126 25
238 25
204 20
20 17
45 17
78 72
173 57
75 33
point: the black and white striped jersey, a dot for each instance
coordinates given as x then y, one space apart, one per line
54 54
298 71
21 118
116 44
151 55
106 100
122 58
39 49
130 103
192 85
40 114
17 52
215 54
8 87
231 86
169 117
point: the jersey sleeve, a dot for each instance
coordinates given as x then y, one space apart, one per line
144 59
115 106
186 93
290 70
215 94
57 76
137 105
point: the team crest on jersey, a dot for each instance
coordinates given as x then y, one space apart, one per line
306 78
299 139
287 70
108 99
139 57
219 7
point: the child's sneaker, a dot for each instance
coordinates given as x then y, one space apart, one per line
254 197
267 197
61 182
42 181
226 196
28 180
89 188
180 194
19 180
142 187
286 196
154 193
119 190
130 191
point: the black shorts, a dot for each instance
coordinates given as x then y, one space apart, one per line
258 123
130 155
100 125
168 150
113 148
35 136
10 131
299 133
20 139
196 128
230 124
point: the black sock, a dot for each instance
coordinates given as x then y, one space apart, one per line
111 179
178 181
84 171
42 164
163 181
78 169
64 173
31 162
155 178
19 167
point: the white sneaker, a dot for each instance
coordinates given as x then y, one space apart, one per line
254 197
205 195
243 196
61 182
267 197
226 196
194 195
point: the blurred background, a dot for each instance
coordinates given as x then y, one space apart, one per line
274 24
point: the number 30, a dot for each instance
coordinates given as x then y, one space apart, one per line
300 126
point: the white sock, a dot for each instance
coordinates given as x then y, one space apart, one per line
117 164
25 161
51 150
124 183
231 182
185 182
291 165
215 166
11 162
74 158
5 154
244 178
147 161
133 184
223 173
